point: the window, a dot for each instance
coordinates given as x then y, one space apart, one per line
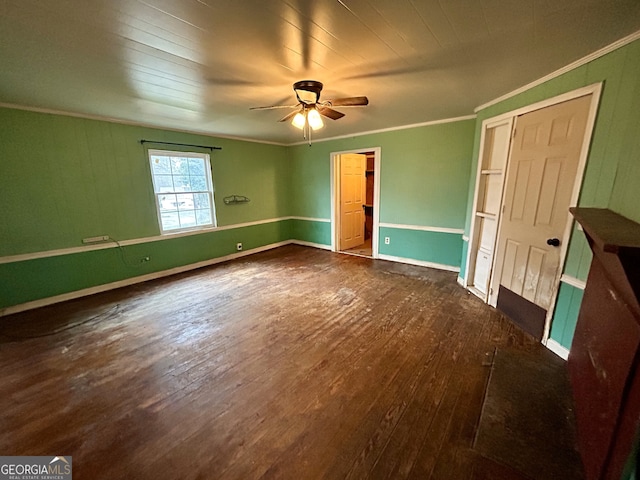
183 190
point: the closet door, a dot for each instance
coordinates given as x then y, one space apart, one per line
495 150
542 170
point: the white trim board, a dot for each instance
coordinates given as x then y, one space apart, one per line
558 349
419 263
334 185
578 63
595 91
390 129
132 123
136 241
424 228
309 219
561 71
573 281
185 268
303 243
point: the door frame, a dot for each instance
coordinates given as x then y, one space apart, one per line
335 201
595 91
474 240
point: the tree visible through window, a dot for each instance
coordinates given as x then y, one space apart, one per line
183 189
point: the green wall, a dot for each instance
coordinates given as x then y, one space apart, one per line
63 179
66 178
424 175
612 176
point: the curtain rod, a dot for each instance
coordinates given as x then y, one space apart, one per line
180 144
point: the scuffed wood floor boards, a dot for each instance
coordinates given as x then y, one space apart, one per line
295 363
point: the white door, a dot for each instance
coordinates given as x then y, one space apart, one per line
352 197
542 169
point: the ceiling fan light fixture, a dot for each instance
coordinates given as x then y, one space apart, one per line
306 97
299 120
308 91
314 119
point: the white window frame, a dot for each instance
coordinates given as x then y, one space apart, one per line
209 178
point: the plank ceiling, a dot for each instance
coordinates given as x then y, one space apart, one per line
199 65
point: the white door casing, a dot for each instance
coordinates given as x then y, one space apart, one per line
543 165
335 197
352 199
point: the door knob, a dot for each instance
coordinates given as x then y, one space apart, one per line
554 242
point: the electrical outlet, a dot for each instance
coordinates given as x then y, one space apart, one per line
100 238
239 246
387 240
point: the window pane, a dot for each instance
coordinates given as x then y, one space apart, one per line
170 221
196 166
203 217
164 183
198 183
185 201
176 179
179 166
201 200
181 183
168 203
160 165
187 218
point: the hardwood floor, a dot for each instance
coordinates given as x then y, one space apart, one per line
295 363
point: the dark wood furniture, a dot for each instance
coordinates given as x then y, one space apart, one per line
603 363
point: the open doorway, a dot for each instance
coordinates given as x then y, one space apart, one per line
355 192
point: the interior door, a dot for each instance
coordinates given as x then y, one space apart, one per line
543 166
352 197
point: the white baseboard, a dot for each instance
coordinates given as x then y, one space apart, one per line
419 263
311 244
132 280
43 302
558 349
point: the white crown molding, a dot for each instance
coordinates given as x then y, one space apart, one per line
390 129
132 123
561 71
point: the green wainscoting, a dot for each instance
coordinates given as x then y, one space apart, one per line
39 278
443 249
565 315
311 231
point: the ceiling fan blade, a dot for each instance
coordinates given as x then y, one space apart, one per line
275 106
348 102
329 112
288 117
